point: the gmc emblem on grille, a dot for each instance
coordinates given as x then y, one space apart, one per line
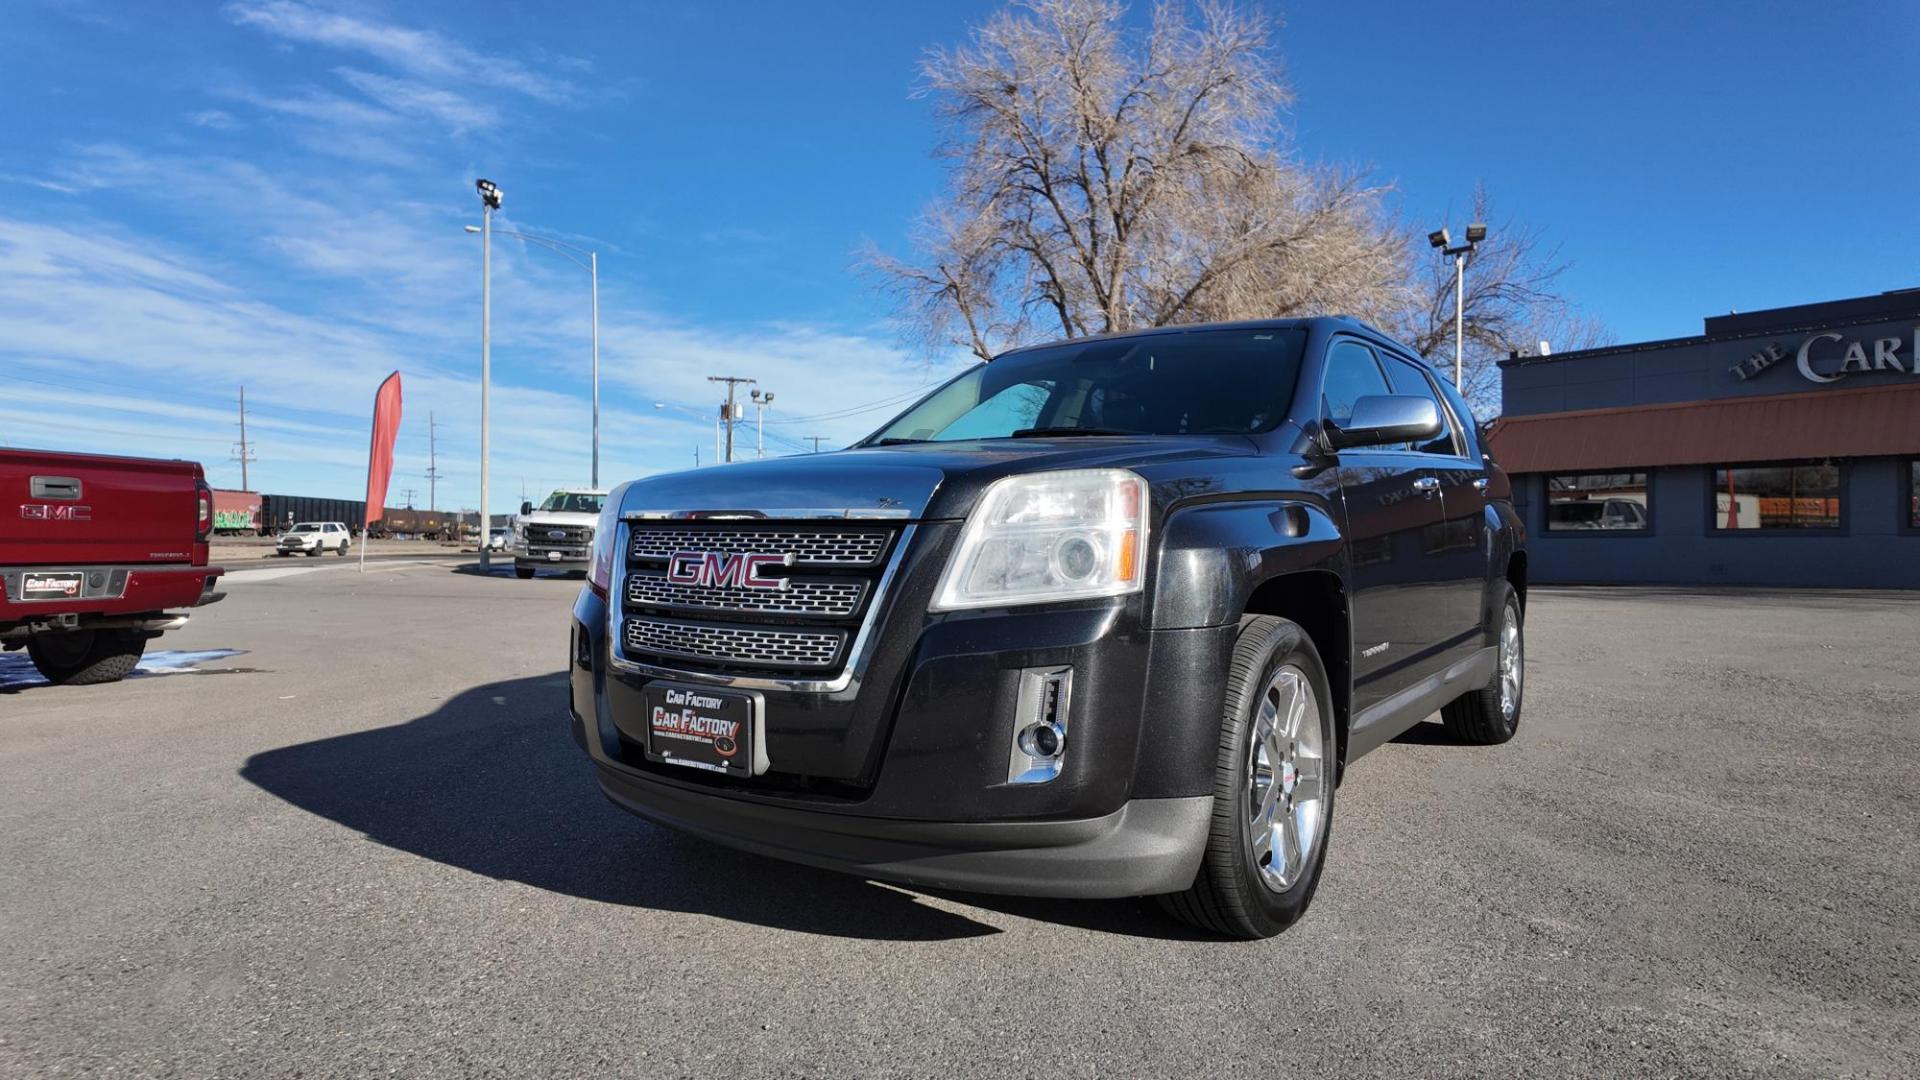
719 569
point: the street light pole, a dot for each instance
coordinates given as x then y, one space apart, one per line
761 402
1442 242
593 268
490 198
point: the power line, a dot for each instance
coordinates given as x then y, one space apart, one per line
855 410
816 440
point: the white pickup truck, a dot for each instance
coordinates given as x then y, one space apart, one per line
558 534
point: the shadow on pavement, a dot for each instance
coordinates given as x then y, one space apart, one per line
491 782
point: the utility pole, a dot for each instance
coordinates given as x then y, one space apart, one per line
816 440
696 455
409 498
733 382
245 454
433 467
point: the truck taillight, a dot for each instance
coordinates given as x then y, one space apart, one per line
203 522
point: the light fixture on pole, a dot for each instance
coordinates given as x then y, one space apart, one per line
761 402
1442 242
591 264
490 199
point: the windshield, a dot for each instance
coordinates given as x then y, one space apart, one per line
574 502
308 527
1208 382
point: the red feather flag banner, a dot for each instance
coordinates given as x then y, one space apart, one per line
386 428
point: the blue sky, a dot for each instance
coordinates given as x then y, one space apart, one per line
270 192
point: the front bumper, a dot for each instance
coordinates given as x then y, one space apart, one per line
552 558
1146 847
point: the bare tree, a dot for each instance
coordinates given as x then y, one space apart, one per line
1104 180
1509 305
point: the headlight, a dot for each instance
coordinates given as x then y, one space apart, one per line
1050 536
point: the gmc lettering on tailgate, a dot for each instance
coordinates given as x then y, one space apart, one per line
43 512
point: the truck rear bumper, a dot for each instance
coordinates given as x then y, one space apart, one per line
1146 847
111 592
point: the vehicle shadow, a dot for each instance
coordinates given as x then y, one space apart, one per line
492 783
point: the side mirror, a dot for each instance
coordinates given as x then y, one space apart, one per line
526 508
1387 418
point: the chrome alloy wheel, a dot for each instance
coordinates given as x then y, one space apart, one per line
1512 666
1287 775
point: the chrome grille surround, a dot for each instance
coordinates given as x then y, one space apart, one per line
774 646
817 597
895 539
811 547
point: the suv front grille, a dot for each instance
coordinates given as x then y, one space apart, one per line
831 546
560 535
828 597
743 645
804 630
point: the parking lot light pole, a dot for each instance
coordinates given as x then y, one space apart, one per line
591 264
1442 242
490 197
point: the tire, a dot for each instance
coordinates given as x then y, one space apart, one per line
523 572
313 552
1490 715
86 657
280 553
1237 892
342 550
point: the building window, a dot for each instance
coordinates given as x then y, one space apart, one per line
1803 496
1585 502
1913 494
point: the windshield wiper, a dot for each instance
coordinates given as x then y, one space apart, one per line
1051 432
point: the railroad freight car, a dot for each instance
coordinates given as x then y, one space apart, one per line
280 512
235 512
425 524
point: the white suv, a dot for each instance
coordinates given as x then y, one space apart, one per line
315 537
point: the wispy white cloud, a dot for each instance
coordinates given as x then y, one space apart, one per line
421 52
459 114
217 119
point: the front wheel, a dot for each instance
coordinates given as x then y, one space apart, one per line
86 657
342 549
523 572
1273 788
1490 715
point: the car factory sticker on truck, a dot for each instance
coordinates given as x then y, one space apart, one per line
49 586
700 728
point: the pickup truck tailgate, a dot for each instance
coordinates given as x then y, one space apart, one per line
83 509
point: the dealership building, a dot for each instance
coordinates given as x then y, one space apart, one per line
1778 447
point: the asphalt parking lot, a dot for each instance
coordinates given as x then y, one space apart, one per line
338 829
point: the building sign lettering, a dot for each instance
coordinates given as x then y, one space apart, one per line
1858 355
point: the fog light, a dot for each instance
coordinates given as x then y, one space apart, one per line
1040 726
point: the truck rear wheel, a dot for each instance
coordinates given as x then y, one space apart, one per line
86 657
1273 788
1490 715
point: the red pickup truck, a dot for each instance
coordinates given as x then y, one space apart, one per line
99 555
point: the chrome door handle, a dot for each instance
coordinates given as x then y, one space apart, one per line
1427 484
1479 483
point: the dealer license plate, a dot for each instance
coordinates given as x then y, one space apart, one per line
50 586
703 728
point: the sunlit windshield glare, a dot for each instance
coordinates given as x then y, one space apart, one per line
573 502
1209 382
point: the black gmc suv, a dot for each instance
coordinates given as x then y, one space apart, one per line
1107 617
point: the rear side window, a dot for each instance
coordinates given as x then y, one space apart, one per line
1411 381
1352 373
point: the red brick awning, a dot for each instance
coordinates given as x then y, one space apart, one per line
1866 421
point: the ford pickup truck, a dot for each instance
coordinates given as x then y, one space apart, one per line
98 556
1108 617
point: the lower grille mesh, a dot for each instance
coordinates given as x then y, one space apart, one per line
776 647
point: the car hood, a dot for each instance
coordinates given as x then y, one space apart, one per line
913 481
